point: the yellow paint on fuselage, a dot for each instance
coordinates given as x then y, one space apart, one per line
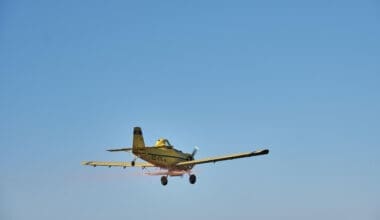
162 156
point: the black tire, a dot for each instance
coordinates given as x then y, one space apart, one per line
164 180
133 163
192 179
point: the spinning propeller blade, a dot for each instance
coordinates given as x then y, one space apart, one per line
194 151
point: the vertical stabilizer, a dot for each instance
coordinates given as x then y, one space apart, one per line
138 139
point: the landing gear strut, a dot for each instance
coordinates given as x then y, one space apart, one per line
164 180
192 178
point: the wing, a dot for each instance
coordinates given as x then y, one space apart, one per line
221 158
116 164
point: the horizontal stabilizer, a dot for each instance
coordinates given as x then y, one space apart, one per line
120 149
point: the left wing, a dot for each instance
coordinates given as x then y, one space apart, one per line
116 164
221 158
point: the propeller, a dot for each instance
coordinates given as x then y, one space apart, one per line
194 151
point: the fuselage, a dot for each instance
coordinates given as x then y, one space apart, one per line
163 156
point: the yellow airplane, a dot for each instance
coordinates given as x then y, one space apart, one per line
164 156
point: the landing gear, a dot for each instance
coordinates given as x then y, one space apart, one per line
133 163
164 180
192 179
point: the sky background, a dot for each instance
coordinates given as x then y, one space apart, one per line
301 78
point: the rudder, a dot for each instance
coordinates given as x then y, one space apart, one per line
138 139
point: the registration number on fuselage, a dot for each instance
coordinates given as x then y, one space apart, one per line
158 158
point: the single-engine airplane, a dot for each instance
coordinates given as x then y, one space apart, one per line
163 155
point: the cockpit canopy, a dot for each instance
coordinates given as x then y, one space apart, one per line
163 143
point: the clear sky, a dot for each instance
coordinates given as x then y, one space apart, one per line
301 78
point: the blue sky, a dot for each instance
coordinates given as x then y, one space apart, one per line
300 78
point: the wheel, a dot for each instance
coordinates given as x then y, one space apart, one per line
164 180
133 163
192 179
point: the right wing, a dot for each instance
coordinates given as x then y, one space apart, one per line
116 164
221 158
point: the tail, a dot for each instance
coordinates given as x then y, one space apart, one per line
138 139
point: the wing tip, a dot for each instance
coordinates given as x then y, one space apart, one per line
261 152
85 162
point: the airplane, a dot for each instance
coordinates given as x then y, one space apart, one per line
163 155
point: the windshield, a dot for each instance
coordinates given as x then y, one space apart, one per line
167 143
